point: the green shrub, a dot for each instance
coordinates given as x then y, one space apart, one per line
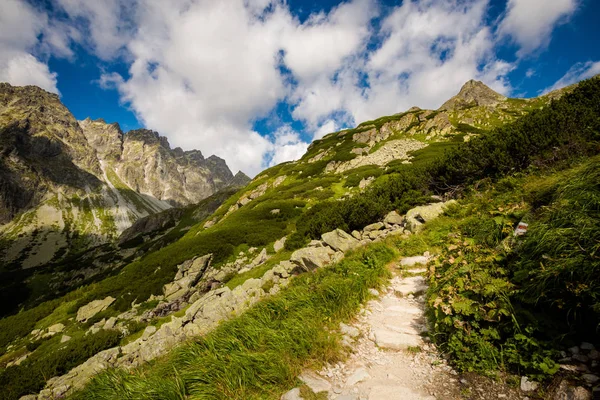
52 359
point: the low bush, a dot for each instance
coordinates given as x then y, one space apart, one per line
52 359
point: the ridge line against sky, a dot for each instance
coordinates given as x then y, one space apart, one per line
255 81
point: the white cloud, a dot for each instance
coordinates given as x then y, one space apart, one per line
286 146
530 22
109 23
21 25
328 127
576 73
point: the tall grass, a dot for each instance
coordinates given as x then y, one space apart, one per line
260 353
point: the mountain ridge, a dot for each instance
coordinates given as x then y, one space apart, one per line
68 184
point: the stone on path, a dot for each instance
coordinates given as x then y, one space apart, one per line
412 261
396 392
315 383
413 285
293 394
388 339
359 375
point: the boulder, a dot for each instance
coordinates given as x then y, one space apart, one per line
340 240
56 328
92 308
393 218
310 258
279 244
416 217
260 258
373 227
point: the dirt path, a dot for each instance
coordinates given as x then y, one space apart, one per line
390 358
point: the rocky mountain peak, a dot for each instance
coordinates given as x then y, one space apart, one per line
473 93
148 137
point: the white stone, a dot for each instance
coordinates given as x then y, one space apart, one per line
293 394
349 330
527 385
412 261
315 383
359 375
388 339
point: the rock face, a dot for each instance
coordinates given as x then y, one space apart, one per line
92 308
68 185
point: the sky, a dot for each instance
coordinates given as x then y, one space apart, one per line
255 81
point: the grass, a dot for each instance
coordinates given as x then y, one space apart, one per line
260 353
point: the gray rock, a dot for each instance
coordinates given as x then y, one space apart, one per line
574 350
260 258
56 328
359 375
349 330
590 378
356 235
293 394
110 323
564 391
310 258
417 216
279 244
149 331
340 240
412 261
315 383
527 385
373 227
65 338
92 308
393 218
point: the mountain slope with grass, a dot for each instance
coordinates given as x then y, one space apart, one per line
352 189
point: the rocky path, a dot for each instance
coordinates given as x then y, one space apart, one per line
390 359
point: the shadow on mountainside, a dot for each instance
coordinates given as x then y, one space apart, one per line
29 165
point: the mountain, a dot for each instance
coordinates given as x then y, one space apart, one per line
178 275
68 185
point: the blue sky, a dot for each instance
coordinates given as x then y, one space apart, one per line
255 81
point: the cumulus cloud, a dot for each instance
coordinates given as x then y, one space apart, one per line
530 22
21 26
108 27
576 73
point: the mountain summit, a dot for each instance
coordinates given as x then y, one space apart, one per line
473 93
